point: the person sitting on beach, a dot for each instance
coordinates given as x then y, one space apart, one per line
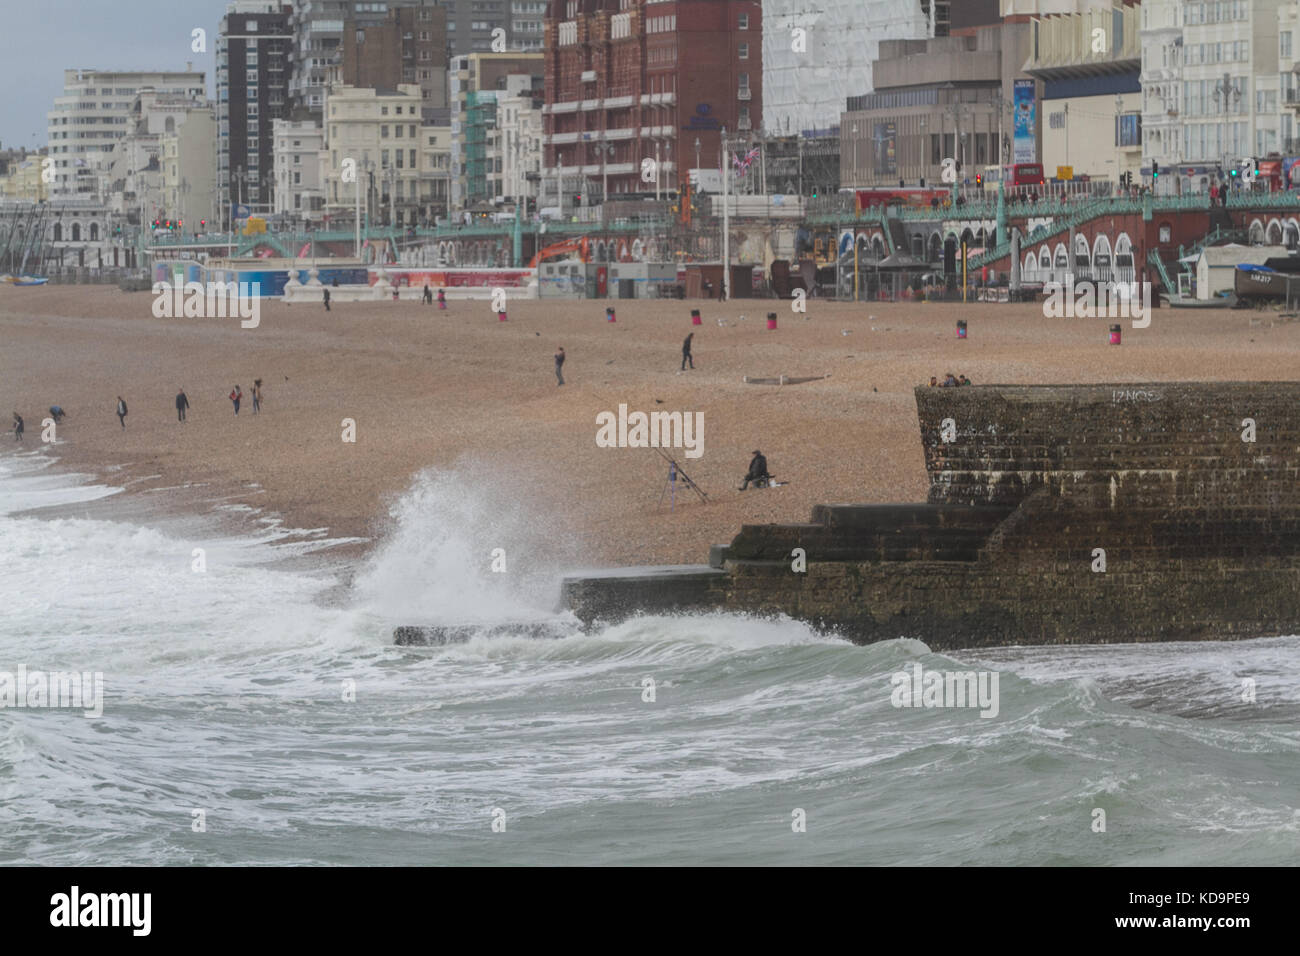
18 427
58 414
963 380
934 380
950 380
757 471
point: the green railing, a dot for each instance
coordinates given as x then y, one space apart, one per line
1158 264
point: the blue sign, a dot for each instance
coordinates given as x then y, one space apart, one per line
1024 143
702 120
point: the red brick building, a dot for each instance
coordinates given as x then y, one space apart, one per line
625 76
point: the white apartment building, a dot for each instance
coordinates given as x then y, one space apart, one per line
189 171
517 143
435 171
299 157
94 112
1214 85
132 175
380 131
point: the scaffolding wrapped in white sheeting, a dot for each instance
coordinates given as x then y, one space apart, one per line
808 75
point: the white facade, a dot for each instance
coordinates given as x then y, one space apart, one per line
189 171
519 144
806 88
299 150
381 133
1216 75
93 113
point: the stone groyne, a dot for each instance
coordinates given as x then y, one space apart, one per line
1056 514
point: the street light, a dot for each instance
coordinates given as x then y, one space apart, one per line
697 152
855 154
606 150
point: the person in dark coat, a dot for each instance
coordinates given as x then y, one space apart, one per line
121 411
757 470
327 300
182 403
559 365
18 427
686 352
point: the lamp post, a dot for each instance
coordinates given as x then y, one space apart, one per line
697 152
606 150
726 222
855 154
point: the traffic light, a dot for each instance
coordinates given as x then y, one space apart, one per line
1232 173
979 180
577 199
1155 170
203 224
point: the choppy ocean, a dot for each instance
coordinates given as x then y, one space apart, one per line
265 692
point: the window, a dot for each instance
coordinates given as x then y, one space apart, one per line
397 130
383 111
743 22
744 51
1128 129
1285 50
383 158
412 156
383 132
250 26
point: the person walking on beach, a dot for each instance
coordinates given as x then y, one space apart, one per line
686 352
257 395
121 412
428 295
236 396
327 300
58 414
182 403
442 299
559 365
18 427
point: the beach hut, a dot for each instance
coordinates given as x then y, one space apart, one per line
1216 267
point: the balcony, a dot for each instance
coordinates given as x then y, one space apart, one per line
743 93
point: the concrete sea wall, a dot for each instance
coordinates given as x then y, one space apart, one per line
1056 514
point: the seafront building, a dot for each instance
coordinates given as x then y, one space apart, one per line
188 157
94 112
474 83
380 131
659 81
253 69
944 98
299 152
1089 65
20 176
517 142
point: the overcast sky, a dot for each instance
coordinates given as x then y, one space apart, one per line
46 37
